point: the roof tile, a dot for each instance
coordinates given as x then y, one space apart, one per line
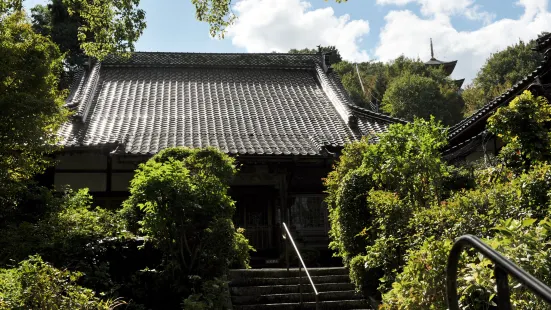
240 103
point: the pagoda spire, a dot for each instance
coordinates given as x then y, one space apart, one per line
431 50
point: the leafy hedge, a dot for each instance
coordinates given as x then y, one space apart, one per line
35 284
394 216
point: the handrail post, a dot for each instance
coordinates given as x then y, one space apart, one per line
317 302
300 284
503 268
503 294
288 235
287 255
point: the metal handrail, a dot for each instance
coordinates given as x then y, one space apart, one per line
503 268
288 233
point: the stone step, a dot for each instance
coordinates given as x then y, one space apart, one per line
295 297
324 305
286 289
250 281
282 272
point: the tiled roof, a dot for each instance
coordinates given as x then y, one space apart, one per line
372 123
269 60
488 109
240 103
543 44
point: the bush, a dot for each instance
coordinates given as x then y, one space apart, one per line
387 233
523 126
213 294
37 285
241 250
422 285
63 232
179 201
371 203
186 209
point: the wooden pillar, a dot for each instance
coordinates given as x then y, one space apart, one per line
109 173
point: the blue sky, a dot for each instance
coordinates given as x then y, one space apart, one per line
363 30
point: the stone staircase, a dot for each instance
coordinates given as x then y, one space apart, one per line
277 289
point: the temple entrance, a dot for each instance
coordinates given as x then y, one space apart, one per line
255 213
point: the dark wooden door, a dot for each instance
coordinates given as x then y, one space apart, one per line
255 213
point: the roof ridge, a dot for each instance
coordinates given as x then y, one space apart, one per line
221 60
381 116
215 53
497 101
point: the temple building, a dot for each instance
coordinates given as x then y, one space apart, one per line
284 117
448 66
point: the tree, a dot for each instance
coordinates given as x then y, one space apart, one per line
501 71
31 104
93 29
179 199
412 95
368 84
373 77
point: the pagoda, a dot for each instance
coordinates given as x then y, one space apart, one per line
448 66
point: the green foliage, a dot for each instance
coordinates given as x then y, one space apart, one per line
108 26
525 244
387 233
422 283
64 229
406 164
373 76
179 200
523 127
508 66
407 161
30 102
212 295
35 284
242 249
501 71
383 211
405 88
412 95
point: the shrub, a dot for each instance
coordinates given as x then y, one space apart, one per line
35 284
387 233
65 229
350 215
185 204
422 283
179 201
241 249
213 294
523 127
371 203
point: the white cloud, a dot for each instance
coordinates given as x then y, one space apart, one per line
281 25
465 8
408 34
